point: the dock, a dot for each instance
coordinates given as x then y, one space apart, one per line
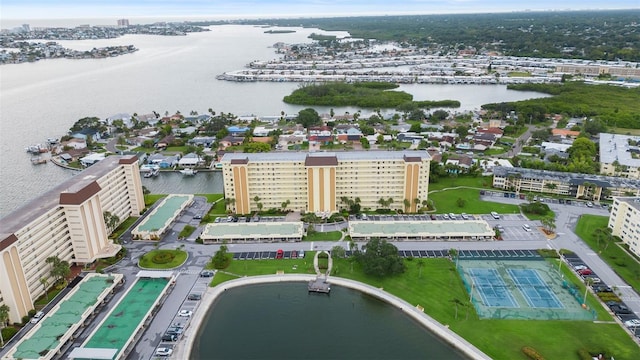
319 286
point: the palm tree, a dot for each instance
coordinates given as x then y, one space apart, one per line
59 268
456 302
45 284
407 204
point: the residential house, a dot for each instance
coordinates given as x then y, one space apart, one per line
565 133
75 143
347 133
190 160
261 131
169 162
205 141
497 132
231 140
165 142
322 134
238 130
92 159
188 130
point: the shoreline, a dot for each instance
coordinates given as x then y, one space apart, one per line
184 347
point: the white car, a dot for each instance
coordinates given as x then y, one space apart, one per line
589 204
495 215
632 323
185 313
37 317
163 351
526 227
465 216
579 267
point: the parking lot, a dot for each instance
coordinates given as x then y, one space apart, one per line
268 255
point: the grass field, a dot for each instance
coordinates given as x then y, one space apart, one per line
146 261
500 339
324 236
623 131
624 265
446 202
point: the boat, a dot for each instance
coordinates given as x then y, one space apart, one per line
36 149
52 141
188 172
152 173
37 160
149 168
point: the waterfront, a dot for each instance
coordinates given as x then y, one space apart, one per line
347 325
43 99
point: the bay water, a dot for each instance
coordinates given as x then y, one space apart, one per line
43 99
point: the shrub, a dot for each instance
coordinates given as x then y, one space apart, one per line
8 333
32 312
162 257
531 353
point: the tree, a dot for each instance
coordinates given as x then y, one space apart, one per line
407 205
59 268
308 117
338 252
220 259
380 258
45 284
284 205
4 318
110 220
461 202
456 302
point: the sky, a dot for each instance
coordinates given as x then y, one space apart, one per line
224 9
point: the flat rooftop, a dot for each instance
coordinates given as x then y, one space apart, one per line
124 320
51 330
341 155
614 147
42 203
164 212
633 201
421 228
253 230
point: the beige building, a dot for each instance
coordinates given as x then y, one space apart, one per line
579 186
597 69
317 182
67 222
620 155
624 221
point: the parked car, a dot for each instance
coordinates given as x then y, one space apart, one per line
465 216
194 296
585 272
169 337
589 204
197 217
452 216
526 227
185 313
580 267
495 215
632 323
433 217
445 216
37 317
279 254
163 351
601 288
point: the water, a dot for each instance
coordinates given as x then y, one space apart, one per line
43 99
204 182
283 321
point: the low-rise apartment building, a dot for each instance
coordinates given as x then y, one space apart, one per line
579 186
624 221
67 222
620 155
317 182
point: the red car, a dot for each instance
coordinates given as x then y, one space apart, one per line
585 272
279 254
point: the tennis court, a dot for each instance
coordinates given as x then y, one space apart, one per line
534 289
527 288
492 288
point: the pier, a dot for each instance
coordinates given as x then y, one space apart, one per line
319 285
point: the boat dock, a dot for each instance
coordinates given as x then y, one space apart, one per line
319 285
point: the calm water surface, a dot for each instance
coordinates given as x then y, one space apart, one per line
283 321
43 99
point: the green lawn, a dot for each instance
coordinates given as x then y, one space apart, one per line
123 227
497 150
446 202
151 199
324 236
147 262
623 131
449 182
624 265
436 285
212 197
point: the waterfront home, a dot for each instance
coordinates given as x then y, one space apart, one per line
169 161
126 119
92 159
190 160
165 142
237 130
198 119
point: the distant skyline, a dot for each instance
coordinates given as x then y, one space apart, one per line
225 9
